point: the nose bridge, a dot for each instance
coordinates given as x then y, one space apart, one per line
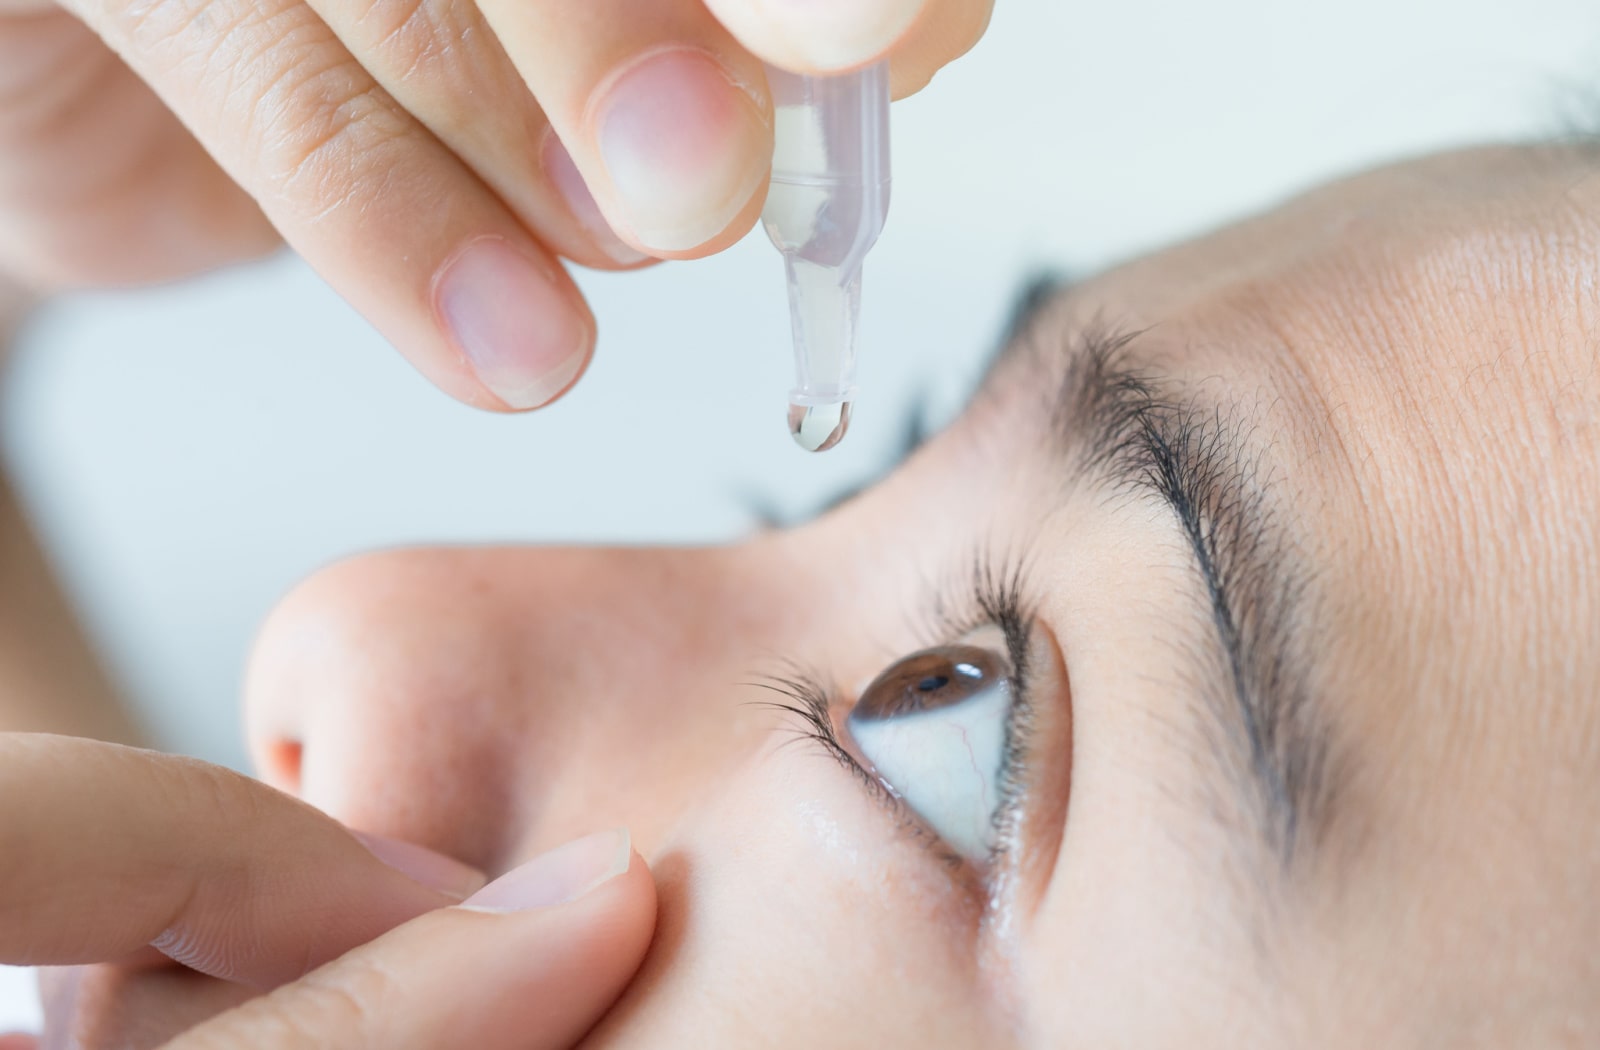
646 621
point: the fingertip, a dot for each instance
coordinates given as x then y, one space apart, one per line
685 145
610 251
945 31
594 899
425 866
527 967
633 907
819 36
516 319
549 389
743 222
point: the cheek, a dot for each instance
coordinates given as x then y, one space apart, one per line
793 914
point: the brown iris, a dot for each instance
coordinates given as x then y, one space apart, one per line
943 676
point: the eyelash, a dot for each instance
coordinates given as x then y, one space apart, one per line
992 595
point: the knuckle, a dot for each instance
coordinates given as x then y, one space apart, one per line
281 93
340 133
193 38
305 108
425 49
409 35
320 131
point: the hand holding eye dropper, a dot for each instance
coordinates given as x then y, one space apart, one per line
824 211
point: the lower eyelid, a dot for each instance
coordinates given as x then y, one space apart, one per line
904 824
1037 827
815 715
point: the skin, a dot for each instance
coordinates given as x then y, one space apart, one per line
1409 358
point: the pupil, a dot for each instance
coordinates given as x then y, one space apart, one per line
932 683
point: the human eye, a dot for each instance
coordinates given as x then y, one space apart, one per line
943 735
936 728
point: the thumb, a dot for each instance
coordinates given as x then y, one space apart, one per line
529 962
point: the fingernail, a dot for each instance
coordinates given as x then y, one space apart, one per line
564 175
839 34
684 146
525 337
564 874
434 870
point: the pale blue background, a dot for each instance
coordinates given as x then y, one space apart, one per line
193 452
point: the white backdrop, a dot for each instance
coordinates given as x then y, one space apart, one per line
192 452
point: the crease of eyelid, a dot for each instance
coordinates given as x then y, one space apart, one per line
994 591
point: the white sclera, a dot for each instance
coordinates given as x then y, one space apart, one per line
945 764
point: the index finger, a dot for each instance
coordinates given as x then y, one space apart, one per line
107 849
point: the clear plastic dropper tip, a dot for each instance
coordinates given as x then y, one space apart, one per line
825 208
817 428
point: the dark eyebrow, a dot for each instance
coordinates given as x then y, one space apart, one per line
1123 423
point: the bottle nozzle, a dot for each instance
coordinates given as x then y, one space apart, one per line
825 208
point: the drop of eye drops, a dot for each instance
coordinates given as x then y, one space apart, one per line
817 428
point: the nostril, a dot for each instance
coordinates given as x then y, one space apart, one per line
280 764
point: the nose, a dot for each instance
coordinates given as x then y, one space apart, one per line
491 703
